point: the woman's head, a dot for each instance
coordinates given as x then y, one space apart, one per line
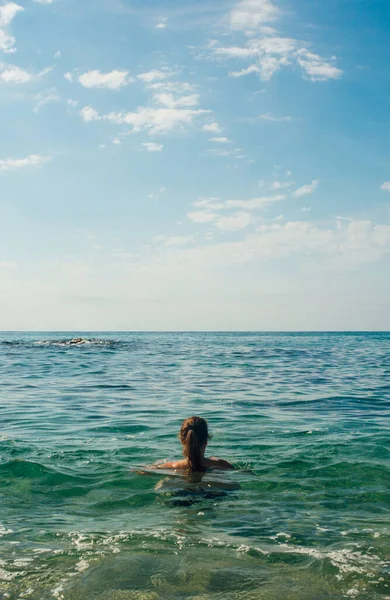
194 436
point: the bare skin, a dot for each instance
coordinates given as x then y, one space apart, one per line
207 463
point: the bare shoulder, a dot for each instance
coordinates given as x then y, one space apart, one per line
175 464
219 463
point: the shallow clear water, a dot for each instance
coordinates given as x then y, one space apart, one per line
305 418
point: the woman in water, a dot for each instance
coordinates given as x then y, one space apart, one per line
194 436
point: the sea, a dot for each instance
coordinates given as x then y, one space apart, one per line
304 417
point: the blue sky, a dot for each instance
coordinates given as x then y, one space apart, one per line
194 165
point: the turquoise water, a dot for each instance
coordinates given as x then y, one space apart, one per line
304 417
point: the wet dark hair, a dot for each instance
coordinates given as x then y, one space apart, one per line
194 435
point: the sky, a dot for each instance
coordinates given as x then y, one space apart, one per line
194 165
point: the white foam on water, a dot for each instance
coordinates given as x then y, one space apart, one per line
9 576
57 592
279 535
22 562
346 561
4 530
82 565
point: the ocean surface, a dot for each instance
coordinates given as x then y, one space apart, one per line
305 418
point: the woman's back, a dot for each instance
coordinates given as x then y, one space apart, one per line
194 437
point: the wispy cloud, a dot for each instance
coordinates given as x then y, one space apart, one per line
168 100
268 51
157 195
7 13
154 75
153 120
209 210
317 68
220 140
46 97
275 119
162 23
305 190
8 264
176 241
386 186
152 146
281 185
13 164
274 53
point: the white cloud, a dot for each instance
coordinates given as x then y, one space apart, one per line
223 152
202 216
254 203
57 54
249 15
175 87
154 75
46 97
211 206
345 245
158 194
13 164
44 1
8 12
275 119
234 51
162 23
176 241
116 141
13 74
153 147
169 101
90 114
386 186
247 71
114 80
220 140
271 53
153 120
72 103
280 185
305 190
317 68
212 127
8 264
279 299
235 222
268 51
207 202
7 42
68 77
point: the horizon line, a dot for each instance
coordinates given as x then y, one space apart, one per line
194 331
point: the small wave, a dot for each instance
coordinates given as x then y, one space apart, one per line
78 341
75 342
